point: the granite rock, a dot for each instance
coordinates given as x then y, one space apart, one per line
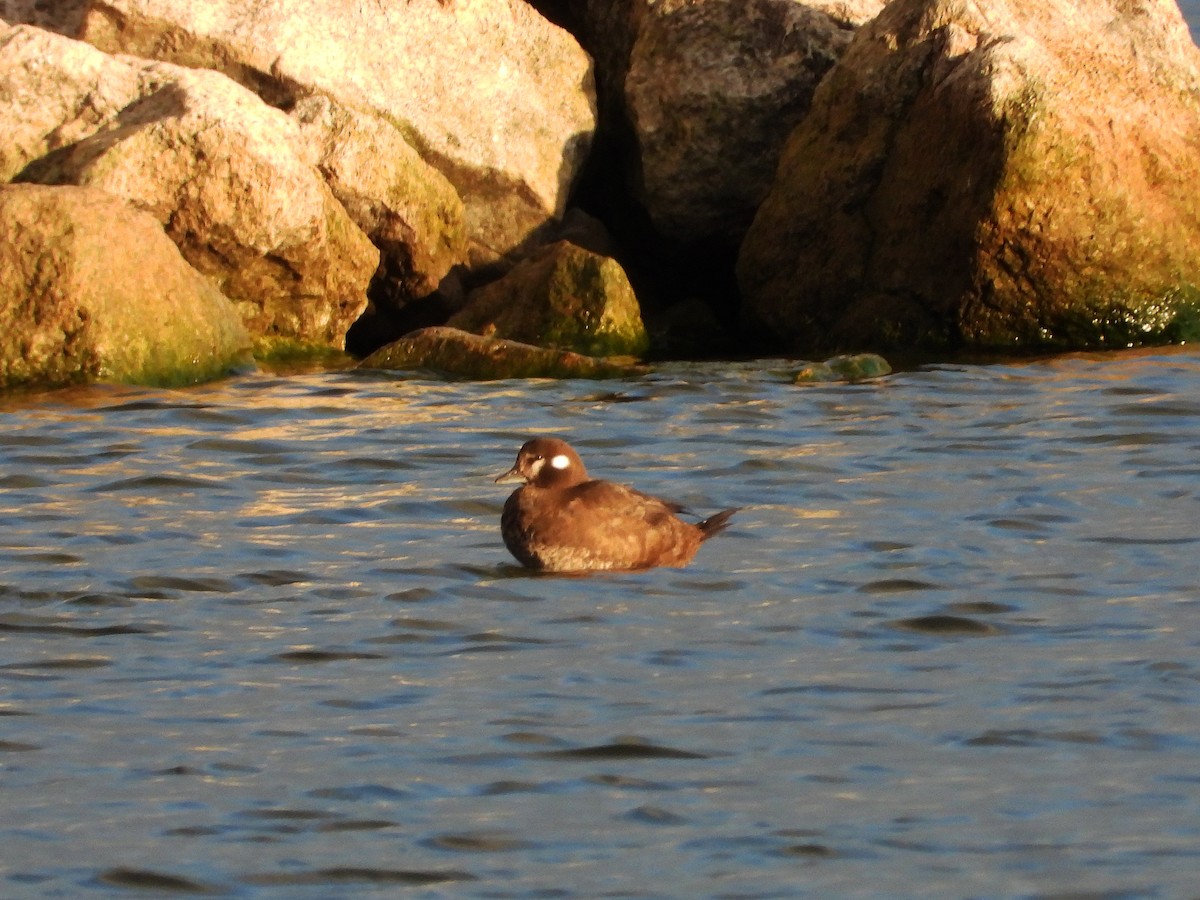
563 297
1017 174
92 289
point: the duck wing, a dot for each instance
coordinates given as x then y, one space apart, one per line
620 504
634 529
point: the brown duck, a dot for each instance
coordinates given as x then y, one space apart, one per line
560 520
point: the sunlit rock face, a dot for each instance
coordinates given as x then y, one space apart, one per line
410 211
564 297
488 92
92 289
229 177
1004 174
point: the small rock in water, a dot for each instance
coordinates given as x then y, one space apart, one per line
852 367
451 351
945 625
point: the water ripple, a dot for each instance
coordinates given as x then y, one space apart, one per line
261 638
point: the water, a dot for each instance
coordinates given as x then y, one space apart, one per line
261 639
1191 14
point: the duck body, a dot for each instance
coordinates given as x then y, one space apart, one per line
561 520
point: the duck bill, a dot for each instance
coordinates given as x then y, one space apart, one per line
509 476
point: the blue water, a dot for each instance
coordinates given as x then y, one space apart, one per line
262 639
1191 12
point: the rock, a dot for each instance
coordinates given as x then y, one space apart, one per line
853 368
1018 174
226 174
563 297
490 93
92 289
714 88
859 366
408 209
63 16
586 231
55 92
689 329
450 351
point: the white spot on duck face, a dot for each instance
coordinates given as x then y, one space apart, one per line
561 461
536 466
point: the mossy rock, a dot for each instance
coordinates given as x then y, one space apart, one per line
1055 211
458 353
854 368
92 289
563 297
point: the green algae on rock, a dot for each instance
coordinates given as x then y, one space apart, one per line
849 367
451 351
91 289
563 297
231 179
1054 210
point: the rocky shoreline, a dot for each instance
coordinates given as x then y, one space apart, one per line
184 186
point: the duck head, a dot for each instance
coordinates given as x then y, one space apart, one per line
546 463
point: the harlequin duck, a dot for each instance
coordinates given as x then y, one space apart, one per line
560 520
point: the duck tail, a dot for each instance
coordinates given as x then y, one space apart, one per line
714 524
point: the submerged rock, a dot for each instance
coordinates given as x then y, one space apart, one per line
564 297
92 289
851 367
488 92
1011 175
226 174
451 351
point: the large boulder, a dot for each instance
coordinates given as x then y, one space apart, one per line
451 351
1012 174
227 175
53 92
490 93
91 288
408 209
563 297
713 89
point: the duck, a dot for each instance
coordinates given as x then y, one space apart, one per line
562 520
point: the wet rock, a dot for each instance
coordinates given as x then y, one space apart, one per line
713 89
1007 175
488 92
564 297
451 351
92 289
850 367
226 174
